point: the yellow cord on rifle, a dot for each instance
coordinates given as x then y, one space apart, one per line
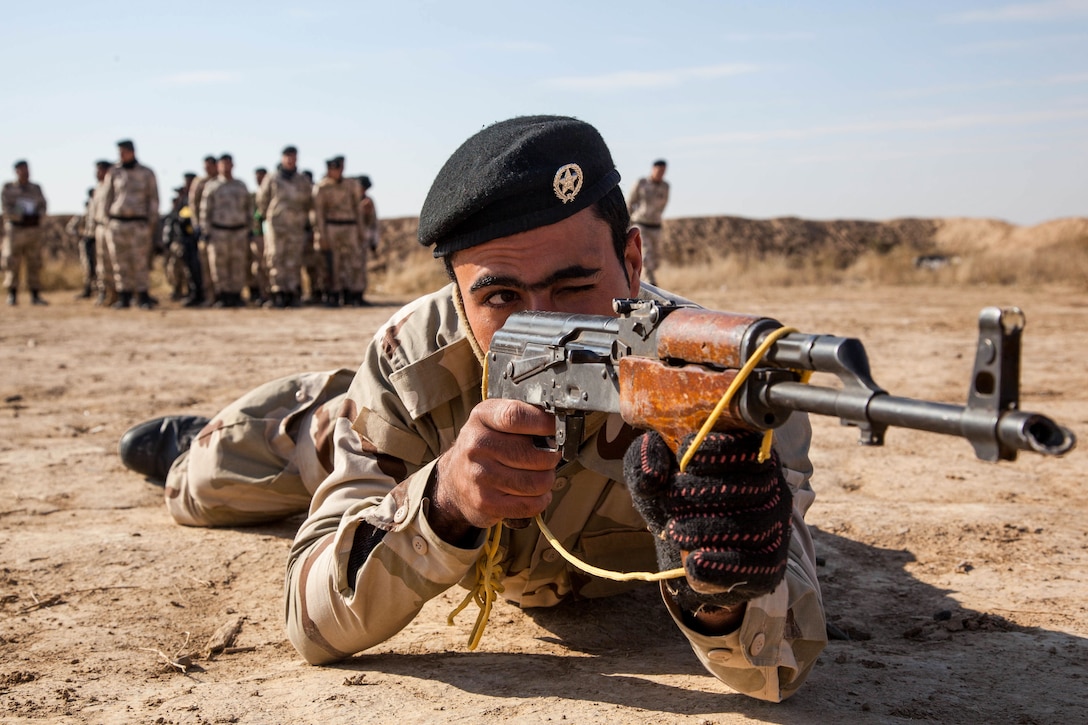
488 567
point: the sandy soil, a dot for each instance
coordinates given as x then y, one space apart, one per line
962 584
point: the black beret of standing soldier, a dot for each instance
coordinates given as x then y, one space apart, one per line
103 164
126 144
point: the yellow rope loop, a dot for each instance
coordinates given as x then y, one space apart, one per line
617 576
488 585
742 375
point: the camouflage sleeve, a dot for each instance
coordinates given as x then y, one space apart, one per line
341 601
8 201
264 196
770 655
42 204
207 206
632 197
153 198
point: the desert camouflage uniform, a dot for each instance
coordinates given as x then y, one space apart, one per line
106 282
302 442
87 254
257 276
132 207
646 202
226 212
24 211
196 198
338 223
284 201
372 235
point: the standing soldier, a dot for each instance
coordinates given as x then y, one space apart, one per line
24 209
106 282
227 213
647 203
372 234
285 200
338 221
132 205
258 274
196 196
82 227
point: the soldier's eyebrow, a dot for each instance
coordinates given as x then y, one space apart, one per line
575 271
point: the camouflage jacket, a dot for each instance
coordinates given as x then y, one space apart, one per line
23 203
131 192
336 201
647 201
418 382
285 200
225 204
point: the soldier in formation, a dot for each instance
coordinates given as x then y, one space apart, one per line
284 201
226 214
646 203
24 210
131 204
338 223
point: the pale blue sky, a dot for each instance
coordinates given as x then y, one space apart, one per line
870 110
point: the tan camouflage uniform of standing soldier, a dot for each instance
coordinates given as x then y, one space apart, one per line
132 205
646 202
403 467
338 224
196 197
372 233
227 213
284 201
24 207
82 227
106 277
257 278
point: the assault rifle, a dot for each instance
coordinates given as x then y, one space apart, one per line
665 367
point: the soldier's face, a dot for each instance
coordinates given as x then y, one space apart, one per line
569 266
289 161
127 155
657 173
225 167
260 177
100 172
22 173
210 168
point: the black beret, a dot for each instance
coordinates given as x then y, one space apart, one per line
364 181
20 162
103 164
660 162
209 159
126 144
260 170
226 157
513 176
190 175
289 150
335 162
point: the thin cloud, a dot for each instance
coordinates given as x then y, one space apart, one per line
945 123
516 46
201 78
1019 44
770 37
626 80
961 88
1041 11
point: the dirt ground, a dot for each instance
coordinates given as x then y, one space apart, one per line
963 585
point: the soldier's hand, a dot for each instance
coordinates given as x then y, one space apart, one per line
726 519
494 470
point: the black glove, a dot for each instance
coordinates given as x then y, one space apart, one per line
726 519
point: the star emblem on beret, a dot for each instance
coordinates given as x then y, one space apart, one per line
567 182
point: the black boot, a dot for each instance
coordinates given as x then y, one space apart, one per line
36 298
279 300
86 294
124 301
255 295
150 448
145 301
332 299
13 297
220 301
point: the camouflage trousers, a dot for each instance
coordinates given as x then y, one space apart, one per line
348 258
228 252
130 248
258 273
106 282
262 457
283 248
21 244
651 237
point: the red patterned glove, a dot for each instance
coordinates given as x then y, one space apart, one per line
726 519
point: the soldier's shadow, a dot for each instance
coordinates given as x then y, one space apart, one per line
912 653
